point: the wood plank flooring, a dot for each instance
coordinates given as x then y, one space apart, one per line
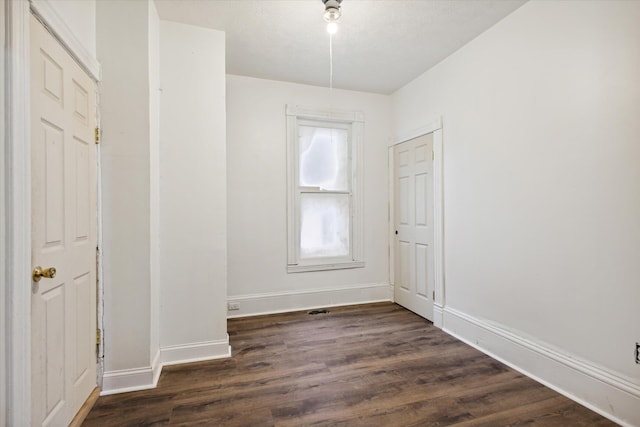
367 365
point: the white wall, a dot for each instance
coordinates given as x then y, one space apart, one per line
542 187
154 179
123 50
164 193
193 194
80 18
257 226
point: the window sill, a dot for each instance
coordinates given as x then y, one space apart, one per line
322 267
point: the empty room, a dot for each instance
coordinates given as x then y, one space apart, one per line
320 212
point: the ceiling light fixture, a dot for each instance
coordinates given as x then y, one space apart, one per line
332 14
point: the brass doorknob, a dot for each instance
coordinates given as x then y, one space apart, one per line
39 273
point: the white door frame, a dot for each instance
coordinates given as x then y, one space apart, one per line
15 205
435 127
17 215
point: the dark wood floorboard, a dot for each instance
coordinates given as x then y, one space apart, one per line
367 365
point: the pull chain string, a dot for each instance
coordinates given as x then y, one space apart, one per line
331 82
330 71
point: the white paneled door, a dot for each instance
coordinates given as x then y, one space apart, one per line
413 216
63 202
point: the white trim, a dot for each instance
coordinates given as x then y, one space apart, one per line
435 127
315 113
438 315
438 217
357 192
156 367
136 379
17 214
127 380
391 217
195 352
305 299
43 10
430 127
292 246
593 386
3 227
301 268
99 248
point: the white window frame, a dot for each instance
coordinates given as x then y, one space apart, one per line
354 120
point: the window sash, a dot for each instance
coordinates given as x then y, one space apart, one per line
342 155
348 256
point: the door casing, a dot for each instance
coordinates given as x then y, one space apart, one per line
435 127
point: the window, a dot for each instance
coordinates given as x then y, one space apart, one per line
324 154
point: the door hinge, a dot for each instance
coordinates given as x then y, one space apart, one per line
97 135
98 336
433 295
433 155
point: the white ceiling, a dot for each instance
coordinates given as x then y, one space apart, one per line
380 46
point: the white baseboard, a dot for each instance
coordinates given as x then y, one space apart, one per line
592 386
438 316
156 366
196 352
304 299
127 380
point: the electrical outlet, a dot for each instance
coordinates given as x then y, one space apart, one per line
638 353
233 306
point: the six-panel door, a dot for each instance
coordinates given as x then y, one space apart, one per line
413 212
63 197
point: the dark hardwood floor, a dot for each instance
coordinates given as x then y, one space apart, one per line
366 365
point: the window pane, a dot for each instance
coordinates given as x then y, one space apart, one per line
324 158
324 225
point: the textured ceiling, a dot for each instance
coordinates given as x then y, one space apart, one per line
380 46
